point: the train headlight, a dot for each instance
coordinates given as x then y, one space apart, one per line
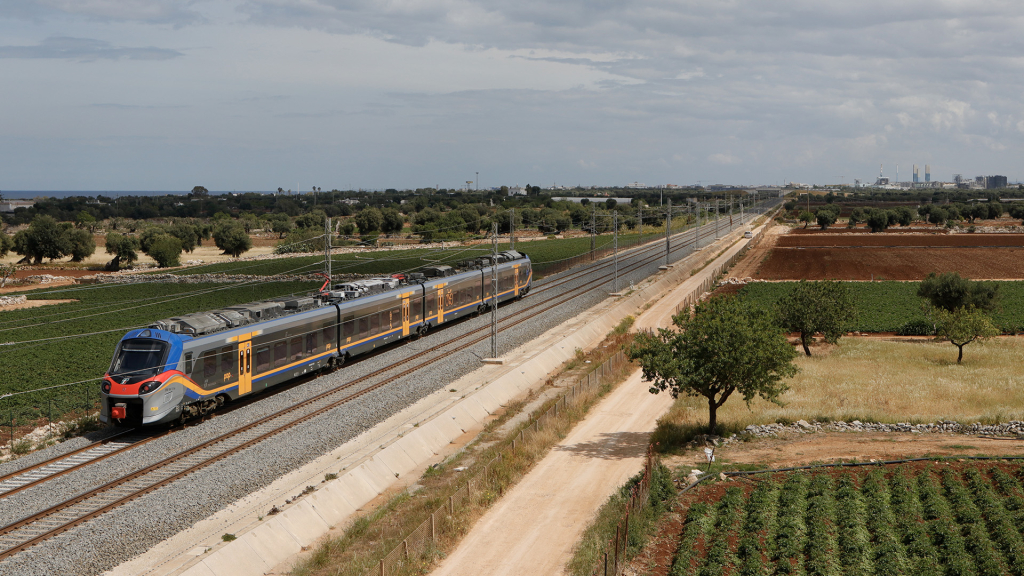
105 387
149 387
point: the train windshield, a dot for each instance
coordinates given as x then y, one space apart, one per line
138 359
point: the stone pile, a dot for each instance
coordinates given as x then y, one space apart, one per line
211 278
11 300
1012 428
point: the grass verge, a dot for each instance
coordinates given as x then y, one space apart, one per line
372 537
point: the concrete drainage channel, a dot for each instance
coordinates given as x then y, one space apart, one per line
393 449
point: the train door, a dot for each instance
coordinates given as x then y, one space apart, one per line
515 271
405 314
441 295
244 368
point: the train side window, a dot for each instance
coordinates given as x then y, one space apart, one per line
262 359
280 354
227 361
209 364
364 325
296 349
374 323
415 309
188 363
349 327
328 334
311 344
431 304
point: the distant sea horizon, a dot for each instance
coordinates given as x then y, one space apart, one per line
30 194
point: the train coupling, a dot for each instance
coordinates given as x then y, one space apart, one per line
119 411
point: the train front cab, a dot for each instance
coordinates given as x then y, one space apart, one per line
143 384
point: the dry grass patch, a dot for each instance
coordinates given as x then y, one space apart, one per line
875 380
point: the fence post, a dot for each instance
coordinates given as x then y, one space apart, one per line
405 548
605 565
615 564
433 537
451 504
382 567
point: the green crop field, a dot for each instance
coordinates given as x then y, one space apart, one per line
944 519
888 306
78 339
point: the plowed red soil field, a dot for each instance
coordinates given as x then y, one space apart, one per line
894 256
900 240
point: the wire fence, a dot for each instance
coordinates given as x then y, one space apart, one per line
49 410
445 522
614 558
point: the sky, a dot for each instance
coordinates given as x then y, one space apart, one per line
346 94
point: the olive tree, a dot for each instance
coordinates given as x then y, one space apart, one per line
878 219
823 307
44 238
369 220
826 216
80 244
166 250
232 239
124 248
727 347
6 273
5 244
963 326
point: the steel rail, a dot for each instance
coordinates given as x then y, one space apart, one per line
58 466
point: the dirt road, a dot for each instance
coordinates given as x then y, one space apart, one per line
533 528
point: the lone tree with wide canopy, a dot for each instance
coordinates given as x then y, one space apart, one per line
728 346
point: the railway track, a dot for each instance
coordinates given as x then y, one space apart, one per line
57 466
61 517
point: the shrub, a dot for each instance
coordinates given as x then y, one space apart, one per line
21 447
917 327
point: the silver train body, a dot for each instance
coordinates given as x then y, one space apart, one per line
187 366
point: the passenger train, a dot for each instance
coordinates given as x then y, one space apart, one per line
190 365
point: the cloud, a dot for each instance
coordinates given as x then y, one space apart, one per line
176 13
723 158
86 50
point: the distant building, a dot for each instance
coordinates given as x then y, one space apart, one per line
578 200
635 185
9 206
995 182
518 190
